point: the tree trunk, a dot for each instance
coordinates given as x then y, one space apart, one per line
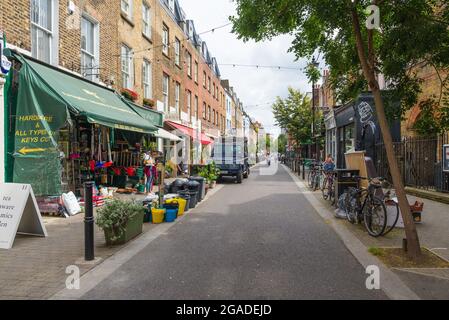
414 248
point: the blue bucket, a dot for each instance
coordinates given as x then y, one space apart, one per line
171 215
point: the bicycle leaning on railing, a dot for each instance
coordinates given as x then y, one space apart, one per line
314 176
328 185
363 205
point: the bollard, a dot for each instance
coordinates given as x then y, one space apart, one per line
89 254
303 170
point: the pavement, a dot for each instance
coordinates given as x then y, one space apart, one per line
427 283
258 240
35 268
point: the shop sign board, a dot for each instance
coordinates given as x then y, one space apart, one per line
446 158
19 213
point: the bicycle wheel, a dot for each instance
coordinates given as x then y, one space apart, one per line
310 179
375 216
390 228
316 184
331 188
325 189
350 207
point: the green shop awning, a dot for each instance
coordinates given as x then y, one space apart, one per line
155 118
98 104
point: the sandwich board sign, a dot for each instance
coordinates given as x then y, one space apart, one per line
19 213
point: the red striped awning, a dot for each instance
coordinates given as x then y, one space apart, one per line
205 140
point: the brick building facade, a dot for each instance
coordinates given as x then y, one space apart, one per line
147 46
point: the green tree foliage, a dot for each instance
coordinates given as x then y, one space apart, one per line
411 32
295 115
282 143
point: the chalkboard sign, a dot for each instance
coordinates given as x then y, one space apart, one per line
19 213
446 158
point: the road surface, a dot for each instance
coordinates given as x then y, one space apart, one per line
258 240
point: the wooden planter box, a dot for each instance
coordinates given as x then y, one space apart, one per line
133 229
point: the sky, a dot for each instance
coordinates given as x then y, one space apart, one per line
253 86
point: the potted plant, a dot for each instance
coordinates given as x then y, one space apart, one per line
213 175
121 221
148 103
129 94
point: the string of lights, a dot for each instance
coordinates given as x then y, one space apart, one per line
180 40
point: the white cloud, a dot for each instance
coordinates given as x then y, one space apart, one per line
253 86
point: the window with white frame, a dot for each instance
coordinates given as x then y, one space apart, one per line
146 20
189 63
177 51
127 8
127 66
204 111
165 84
195 73
171 5
89 49
165 39
204 79
147 79
189 102
43 23
195 107
177 97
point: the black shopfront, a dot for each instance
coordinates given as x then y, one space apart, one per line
358 128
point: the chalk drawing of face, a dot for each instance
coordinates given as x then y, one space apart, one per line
365 112
366 116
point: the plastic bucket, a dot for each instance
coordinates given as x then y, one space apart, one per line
180 202
171 215
157 215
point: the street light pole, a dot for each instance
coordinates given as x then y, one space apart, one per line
315 64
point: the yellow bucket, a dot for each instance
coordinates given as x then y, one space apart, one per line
181 202
158 215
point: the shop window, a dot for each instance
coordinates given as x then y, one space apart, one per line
90 49
44 30
147 79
